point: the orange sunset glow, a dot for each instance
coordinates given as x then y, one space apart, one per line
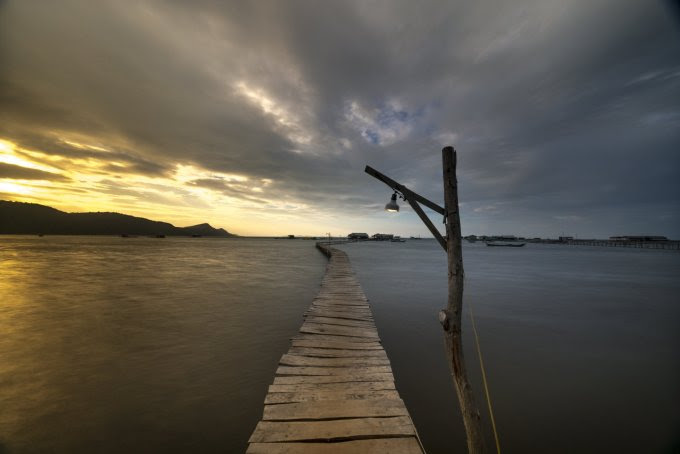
260 120
339 226
102 180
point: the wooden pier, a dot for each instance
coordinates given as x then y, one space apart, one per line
334 390
668 244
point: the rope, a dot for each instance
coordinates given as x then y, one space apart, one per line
486 386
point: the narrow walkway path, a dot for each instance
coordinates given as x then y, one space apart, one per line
334 390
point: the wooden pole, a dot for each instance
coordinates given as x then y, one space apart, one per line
406 192
450 318
423 217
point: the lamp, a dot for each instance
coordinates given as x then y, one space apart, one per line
392 204
450 318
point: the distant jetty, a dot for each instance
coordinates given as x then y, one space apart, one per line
18 218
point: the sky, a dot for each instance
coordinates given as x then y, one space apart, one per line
259 117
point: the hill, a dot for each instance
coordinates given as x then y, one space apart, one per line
32 218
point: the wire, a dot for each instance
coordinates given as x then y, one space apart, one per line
486 386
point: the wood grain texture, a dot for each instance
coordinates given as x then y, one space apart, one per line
328 337
346 378
334 391
312 361
335 330
336 353
335 344
342 386
310 396
328 320
381 445
293 370
339 429
333 409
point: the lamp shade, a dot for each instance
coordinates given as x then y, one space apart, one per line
392 204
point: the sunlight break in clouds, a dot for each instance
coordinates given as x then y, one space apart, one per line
153 109
383 126
97 184
284 118
8 155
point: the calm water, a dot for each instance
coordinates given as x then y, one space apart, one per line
141 344
168 345
581 344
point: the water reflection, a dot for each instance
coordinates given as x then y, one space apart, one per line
112 344
580 344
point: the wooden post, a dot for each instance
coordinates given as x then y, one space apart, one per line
450 318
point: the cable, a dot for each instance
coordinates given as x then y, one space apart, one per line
486 387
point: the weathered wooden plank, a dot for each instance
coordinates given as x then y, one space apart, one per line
342 302
334 344
325 387
337 294
339 317
292 370
311 396
357 310
364 310
407 445
336 353
350 310
336 285
344 311
295 379
334 391
335 330
311 318
344 429
314 361
350 296
333 409
333 338
347 315
342 296
342 284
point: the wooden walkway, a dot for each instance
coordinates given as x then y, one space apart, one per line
334 390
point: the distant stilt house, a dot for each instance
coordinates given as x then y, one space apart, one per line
382 236
357 236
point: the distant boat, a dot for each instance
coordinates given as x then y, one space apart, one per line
398 239
196 236
491 243
160 236
125 235
416 238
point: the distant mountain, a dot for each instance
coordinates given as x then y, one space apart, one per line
32 218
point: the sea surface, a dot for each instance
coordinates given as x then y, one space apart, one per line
168 345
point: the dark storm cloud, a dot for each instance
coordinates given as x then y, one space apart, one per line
126 161
236 190
15 172
561 111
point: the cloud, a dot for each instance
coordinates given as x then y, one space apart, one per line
16 172
236 190
569 217
384 125
554 107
